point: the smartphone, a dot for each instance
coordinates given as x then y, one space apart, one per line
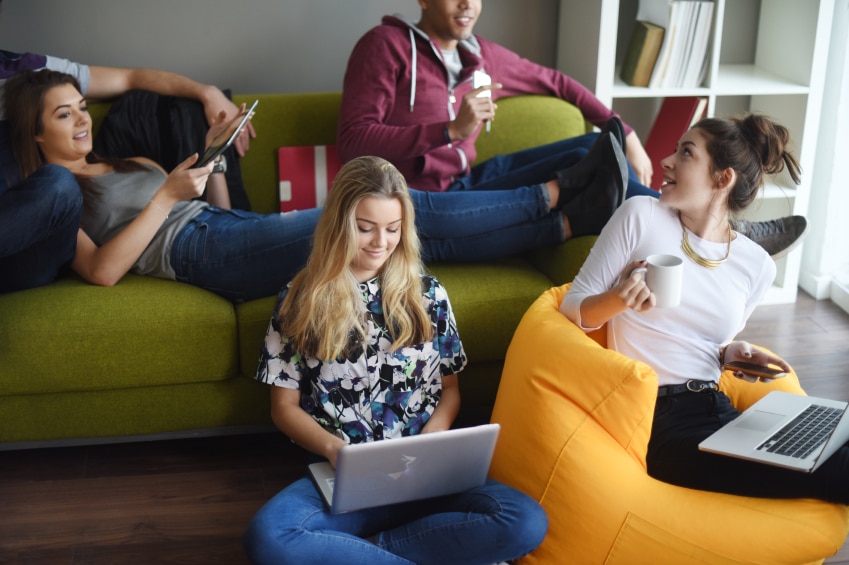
761 371
479 79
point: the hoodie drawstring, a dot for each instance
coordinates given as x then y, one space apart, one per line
413 59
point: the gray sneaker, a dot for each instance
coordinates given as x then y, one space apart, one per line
778 237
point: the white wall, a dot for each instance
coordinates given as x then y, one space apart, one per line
825 263
250 46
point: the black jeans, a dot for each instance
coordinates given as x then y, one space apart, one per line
682 421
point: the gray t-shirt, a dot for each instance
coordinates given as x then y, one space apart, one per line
114 200
453 65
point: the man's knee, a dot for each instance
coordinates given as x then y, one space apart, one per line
58 183
59 201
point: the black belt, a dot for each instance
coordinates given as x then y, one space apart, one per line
689 386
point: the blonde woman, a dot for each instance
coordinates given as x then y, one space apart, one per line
364 347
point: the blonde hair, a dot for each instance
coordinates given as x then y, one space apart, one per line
322 313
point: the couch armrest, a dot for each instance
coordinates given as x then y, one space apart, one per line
561 263
528 121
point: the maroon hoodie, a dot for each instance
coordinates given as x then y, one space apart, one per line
396 100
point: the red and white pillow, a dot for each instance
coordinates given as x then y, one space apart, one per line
305 174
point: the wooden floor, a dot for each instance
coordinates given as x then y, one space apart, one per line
163 502
813 336
188 501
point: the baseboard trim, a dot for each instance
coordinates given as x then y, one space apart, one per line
182 434
840 295
817 286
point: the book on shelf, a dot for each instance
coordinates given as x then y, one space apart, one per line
663 13
675 116
682 59
643 48
680 12
695 64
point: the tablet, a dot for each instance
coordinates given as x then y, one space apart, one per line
226 138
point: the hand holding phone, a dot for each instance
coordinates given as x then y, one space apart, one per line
759 371
479 79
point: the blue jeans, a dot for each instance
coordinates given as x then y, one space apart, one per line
245 255
537 165
39 218
480 225
488 524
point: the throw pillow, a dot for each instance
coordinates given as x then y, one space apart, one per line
165 129
306 173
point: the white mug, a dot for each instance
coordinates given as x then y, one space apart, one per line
663 275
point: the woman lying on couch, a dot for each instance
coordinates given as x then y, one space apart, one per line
139 218
717 167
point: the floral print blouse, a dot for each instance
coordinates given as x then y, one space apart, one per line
373 394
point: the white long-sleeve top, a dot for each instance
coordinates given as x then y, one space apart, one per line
683 342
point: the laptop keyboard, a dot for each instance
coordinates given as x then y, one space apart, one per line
805 433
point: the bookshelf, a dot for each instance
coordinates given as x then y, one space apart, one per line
767 56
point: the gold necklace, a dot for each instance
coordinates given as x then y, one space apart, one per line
698 259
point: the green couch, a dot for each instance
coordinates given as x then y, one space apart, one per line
152 358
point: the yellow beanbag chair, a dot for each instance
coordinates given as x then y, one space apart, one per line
576 419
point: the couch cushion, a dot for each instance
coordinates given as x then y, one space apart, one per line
561 263
529 121
489 299
73 336
310 119
253 318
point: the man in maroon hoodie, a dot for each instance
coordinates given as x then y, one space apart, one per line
409 97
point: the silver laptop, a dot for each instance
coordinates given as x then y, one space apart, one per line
787 430
404 469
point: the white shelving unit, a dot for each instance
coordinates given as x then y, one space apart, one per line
766 56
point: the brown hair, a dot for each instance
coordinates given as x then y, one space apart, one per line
750 145
24 99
